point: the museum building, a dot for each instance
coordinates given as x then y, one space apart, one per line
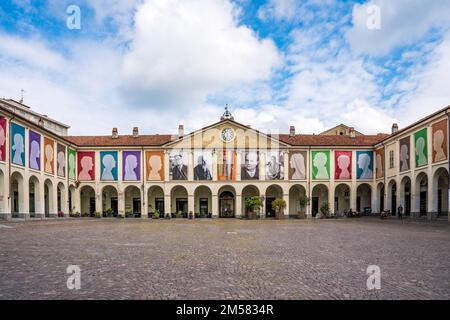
44 172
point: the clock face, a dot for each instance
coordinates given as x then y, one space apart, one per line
227 134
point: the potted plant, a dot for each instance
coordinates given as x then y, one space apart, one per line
191 215
303 202
324 210
156 214
279 205
253 205
60 214
98 214
179 214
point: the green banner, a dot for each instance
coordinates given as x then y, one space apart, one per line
320 164
71 159
421 147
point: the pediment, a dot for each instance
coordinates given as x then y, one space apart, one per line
244 137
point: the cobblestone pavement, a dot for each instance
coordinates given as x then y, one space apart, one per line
224 259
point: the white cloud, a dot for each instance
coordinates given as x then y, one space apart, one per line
402 23
183 51
279 10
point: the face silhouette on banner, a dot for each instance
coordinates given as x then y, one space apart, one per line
379 158
86 165
321 165
49 155
72 163
421 147
405 154
155 165
297 165
34 150
131 165
275 165
343 165
17 144
440 141
60 160
364 165
2 139
108 165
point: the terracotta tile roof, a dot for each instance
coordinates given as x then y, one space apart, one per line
329 141
125 140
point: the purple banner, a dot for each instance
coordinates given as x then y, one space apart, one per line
35 150
131 165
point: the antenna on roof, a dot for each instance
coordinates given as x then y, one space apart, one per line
21 96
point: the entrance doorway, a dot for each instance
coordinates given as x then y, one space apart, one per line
204 210
315 206
226 205
270 212
182 206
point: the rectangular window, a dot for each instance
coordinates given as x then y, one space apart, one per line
391 159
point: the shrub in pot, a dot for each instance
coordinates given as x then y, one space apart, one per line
279 205
253 205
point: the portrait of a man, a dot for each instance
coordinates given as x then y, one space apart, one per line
275 165
178 165
250 168
202 169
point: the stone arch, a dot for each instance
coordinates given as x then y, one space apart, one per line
364 197
227 201
110 201
133 201
421 195
381 205
49 198
61 198
155 200
406 195
179 201
319 196
203 201
17 195
71 196
342 198
273 192
87 200
296 192
247 192
440 192
34 197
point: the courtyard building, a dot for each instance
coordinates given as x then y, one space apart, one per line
44 172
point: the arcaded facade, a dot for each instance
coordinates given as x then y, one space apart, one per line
210 172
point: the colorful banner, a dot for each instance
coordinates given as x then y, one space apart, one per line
72 163
2 139
131 165
297 165
60 160
250 166
108 165
34 150
17 144
226 165
440 141
49 155
405 154
421 147
155 165
379 154
86 165
275 165
343 165
364 163
320 165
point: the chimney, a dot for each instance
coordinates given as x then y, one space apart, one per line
291 131
394 128
352 132
135 132
180 131
115 133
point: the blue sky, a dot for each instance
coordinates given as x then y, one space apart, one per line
159 63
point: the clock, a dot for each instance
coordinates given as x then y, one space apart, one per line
227 134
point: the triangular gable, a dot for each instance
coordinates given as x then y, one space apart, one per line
210 138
